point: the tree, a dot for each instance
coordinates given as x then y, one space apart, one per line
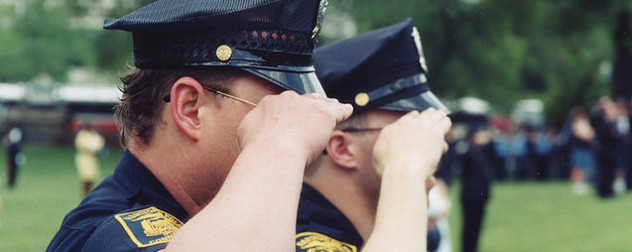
41 42
504 50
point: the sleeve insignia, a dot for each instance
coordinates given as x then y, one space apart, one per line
149 226
316 242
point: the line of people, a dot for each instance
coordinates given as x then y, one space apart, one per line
592 149
599 143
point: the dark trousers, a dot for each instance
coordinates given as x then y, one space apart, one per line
500 169
542 168
12 165
473 213
522 165
628 176
607 170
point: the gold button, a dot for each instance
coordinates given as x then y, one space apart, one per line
362 99
224 52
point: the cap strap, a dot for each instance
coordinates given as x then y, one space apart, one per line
399 89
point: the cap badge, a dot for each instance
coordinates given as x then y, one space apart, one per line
224 53
362 99
420 50
322 7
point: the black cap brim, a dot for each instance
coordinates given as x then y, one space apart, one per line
301 82
418 102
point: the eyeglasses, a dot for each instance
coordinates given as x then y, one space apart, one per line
168 97
360 129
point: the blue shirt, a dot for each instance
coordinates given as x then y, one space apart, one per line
129 211
322 227
518 146
501 145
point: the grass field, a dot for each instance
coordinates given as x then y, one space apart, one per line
521 216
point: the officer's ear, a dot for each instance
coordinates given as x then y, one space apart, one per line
341 151
186 101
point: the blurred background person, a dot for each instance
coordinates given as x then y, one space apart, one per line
559 158
581 141
604 123
622 85
531 135
88 143
622 122
438 212
0 206
628 149
15 158
450 160
542 139
476 182
500 141
519 154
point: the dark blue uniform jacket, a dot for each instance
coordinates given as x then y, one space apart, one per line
129 211
321 227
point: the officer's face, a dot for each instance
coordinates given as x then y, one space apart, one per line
375 119
221 127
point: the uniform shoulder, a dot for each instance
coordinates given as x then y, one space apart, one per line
146 228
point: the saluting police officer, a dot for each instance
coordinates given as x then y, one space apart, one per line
386 150
216 149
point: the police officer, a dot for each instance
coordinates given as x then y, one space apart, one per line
15 158
387 150
216 148
476 179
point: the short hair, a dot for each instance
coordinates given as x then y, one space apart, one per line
356 120
138 111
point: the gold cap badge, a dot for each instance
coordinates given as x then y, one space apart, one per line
224 53
362 99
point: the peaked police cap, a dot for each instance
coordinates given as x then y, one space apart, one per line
382 69
272 39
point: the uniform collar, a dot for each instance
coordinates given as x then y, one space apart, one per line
325 218
142 186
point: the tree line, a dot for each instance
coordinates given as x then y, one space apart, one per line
561 52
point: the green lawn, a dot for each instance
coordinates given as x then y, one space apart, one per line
521 216
46 189
535 216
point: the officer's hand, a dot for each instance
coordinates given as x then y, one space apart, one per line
414 142
300 123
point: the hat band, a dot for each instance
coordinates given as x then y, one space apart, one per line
258 48
259 60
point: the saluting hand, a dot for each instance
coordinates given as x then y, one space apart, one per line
301 123
415 142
